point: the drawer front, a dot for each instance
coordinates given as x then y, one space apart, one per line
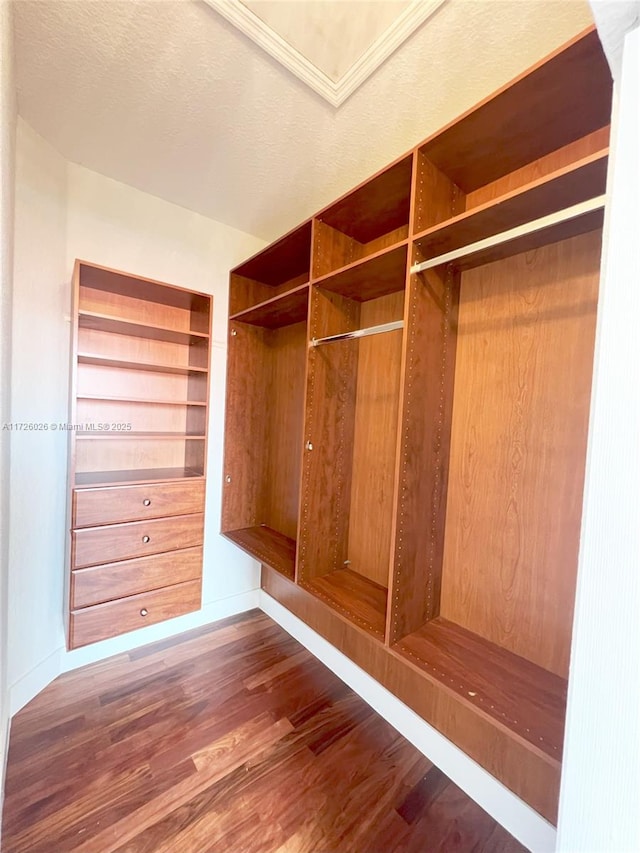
129 577
96 545
127 614
132 503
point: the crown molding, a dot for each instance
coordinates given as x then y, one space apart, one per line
335 92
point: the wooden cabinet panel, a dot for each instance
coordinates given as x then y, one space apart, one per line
95 545
442 461
97 584
92 624
92 507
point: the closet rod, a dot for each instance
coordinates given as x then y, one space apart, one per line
573 212
358 333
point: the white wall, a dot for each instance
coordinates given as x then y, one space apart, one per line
600 791
7 179
39 369
64 211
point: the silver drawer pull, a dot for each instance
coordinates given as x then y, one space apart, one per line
146 539
147 502
144 611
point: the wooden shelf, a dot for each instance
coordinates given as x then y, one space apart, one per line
267 546
118 325
432 475
102 435
275 271
525 698
563 188
282 261
110 399
525 240
138 475
377 207
361 600
562 98
281 310
378 275
104 361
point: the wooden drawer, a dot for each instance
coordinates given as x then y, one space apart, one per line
96 545
129 577
132 503
126 614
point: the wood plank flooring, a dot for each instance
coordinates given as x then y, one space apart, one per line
230 738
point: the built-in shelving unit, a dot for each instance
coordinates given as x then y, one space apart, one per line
407 414
138 451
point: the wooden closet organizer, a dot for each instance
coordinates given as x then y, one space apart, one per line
413 490
138 449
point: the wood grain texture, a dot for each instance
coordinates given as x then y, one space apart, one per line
101 621
245 427
283 260
520 415
431 319
132 503
437 198
558 159
112 542
568 94
282 310
267 546
520 765
527 698
226 738
97 584
285 411
374 441
376 207
379 275
263 428
565 187
328 438
355 596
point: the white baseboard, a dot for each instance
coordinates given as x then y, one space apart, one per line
28 687
518 818
210 612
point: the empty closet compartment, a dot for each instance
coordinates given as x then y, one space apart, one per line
494 170
141 379
372 217
350 451
492 474
275 271
263 443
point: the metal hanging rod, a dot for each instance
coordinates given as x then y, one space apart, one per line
549 221
358 333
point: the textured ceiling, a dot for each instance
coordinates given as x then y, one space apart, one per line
170 98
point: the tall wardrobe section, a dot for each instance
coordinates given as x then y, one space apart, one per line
138 446
407 413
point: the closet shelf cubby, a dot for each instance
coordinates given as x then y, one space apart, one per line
568 186
282 310
277 270
267 546
405 453
377 275
372 217
134 476
108 361
122 326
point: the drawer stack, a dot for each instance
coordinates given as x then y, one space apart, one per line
137 451
136 557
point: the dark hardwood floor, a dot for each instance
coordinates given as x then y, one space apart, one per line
230 738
